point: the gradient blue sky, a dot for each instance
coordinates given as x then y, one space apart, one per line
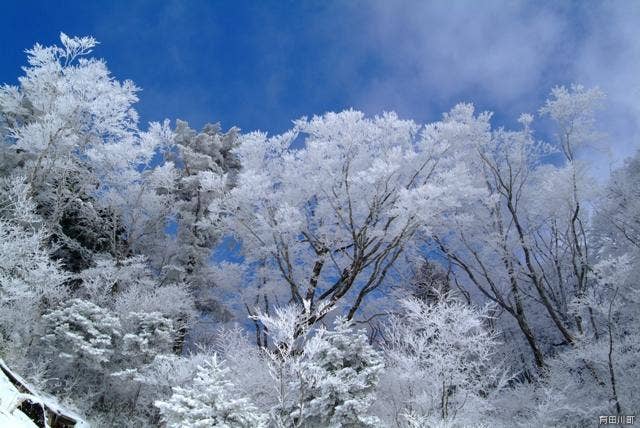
259 65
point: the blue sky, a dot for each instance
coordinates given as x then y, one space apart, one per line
259 65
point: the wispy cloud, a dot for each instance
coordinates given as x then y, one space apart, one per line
506 56
609 56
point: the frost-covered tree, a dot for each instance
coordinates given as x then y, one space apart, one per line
82 333
320 378
429 282
618 211
209 402
30 282
206 163
70 128
148 334
251 373
102 360
600 372
596 375
205 167
338 374
441 366
129 285
524 243
283 358
328 207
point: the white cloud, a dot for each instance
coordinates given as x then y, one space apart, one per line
609 57
507 54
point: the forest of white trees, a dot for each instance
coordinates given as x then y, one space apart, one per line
375 272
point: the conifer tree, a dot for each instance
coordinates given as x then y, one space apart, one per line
338 374
209 402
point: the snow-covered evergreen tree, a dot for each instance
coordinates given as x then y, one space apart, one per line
82 333
209 402
337 377
205 163
148 334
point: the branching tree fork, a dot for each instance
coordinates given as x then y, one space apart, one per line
331 218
